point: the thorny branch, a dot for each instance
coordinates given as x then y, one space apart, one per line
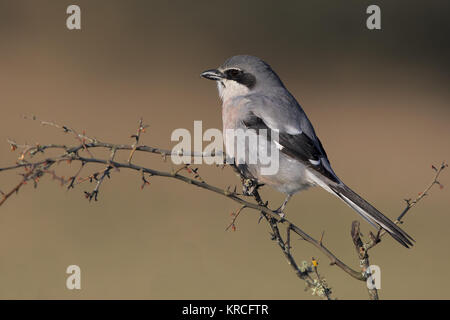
308 272
362 248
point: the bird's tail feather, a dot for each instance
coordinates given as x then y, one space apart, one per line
370 213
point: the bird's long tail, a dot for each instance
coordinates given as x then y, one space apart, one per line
370 213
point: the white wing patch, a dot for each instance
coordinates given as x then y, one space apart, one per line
279 146
314 162
292 130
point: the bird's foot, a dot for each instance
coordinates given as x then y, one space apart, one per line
280 212
248 186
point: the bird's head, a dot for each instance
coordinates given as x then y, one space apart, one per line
241 75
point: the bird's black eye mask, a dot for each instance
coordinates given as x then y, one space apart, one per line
242 77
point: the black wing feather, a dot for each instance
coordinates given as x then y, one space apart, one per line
303 148
298 146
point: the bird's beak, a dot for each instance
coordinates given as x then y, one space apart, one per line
212 74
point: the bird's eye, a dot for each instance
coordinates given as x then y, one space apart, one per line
233 73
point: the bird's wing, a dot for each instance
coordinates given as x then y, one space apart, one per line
302 145
298 140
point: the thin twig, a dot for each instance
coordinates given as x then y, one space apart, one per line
232 225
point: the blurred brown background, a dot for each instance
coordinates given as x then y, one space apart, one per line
378 100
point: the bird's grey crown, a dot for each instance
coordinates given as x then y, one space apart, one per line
246 61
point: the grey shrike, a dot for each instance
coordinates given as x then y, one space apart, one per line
254 98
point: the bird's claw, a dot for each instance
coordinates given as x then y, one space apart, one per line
280 213
249 186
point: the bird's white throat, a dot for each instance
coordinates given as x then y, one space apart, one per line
229 89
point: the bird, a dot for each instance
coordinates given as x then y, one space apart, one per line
254 98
